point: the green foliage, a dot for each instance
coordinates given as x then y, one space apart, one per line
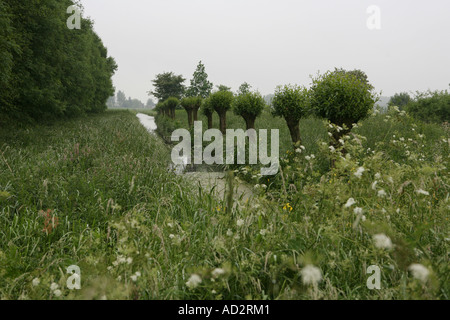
221 101
291 102
200 86
400 100
168 85
206 107
50 70
222 87
172 102
342 97
191 103
431 106
244 88
249 106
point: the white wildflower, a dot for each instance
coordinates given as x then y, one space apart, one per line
263 232
308 158
359 172
311 275
377 176
217 272
194 281
57 293
332 149
425 193
129 260
350 202
358 210
382 193
134 278
298 150
240 223
36 282
171 236
374 185
419 271
229 233
341 141
382 241
54 286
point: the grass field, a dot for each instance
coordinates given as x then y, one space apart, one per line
97 193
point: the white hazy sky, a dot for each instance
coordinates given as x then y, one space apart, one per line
272 42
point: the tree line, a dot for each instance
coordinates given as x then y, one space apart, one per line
429 106
342 97
46 69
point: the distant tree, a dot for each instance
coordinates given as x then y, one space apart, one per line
168 85
249 105
121 99
111 103
221 102
244 88
150 104
292 103
200 86
431 106
400 100
191 105
207 110
222 87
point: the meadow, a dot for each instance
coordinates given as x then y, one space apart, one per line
96 192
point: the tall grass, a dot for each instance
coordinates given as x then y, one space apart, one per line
138 231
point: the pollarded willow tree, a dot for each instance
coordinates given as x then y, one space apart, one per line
292 103
221 102
249 106
191 105
171 105
342 97
207 110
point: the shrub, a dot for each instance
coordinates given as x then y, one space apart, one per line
431 106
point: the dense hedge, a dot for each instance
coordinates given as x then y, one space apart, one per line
46 69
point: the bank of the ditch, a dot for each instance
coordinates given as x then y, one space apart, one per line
96 192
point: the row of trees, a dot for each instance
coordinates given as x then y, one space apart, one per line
46 69
432 106
343 97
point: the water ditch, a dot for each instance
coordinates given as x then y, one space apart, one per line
208 177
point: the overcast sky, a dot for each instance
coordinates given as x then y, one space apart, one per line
272 42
